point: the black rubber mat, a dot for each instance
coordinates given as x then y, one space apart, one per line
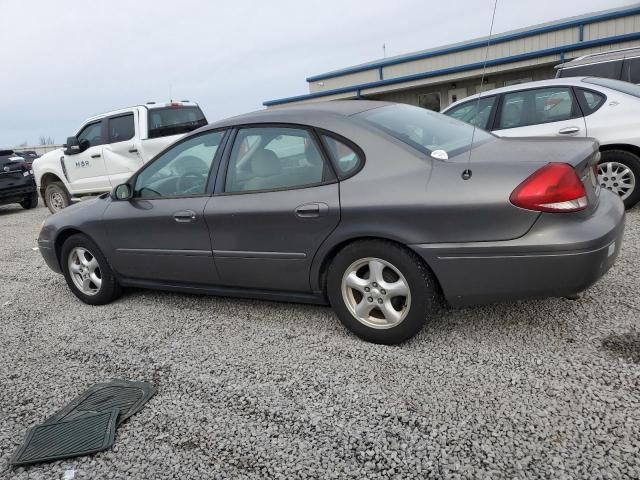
128 397
81 436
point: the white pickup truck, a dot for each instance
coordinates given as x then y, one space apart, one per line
108 148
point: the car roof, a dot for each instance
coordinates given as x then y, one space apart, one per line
602 57
148 106
326 109
567 81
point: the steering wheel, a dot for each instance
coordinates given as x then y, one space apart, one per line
180 187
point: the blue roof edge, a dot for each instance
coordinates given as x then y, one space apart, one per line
462 68
479 43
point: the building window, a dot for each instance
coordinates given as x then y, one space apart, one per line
430 101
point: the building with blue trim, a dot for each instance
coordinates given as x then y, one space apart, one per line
436 77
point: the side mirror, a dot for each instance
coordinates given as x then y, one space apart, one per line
122 192
72 146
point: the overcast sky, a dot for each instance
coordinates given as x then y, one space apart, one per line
64 61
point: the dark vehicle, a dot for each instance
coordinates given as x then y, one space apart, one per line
621 64
373 207
16 181
28 156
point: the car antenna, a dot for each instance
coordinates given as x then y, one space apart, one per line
466 174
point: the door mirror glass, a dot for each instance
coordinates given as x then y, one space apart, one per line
73 146
122 192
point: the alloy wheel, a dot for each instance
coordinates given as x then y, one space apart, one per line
85 271
618 178
376 293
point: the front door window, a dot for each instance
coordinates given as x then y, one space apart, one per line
182 171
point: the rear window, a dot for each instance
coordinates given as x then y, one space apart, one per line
425 130
174 120
620 86
605 69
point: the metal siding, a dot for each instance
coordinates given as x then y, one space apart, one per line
347 80
610 28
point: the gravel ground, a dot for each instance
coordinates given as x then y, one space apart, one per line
251 389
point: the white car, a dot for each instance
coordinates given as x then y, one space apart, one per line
602 108
108 148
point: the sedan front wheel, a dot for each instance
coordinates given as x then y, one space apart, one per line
381 291
87 272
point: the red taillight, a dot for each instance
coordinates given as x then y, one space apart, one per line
556 187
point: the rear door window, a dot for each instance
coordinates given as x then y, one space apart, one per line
273 158
174 120
537 106
121 128
474 112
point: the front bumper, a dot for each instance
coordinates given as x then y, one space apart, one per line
562 254
17 193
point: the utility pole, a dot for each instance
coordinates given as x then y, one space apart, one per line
384 50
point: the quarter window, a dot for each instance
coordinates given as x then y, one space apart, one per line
91 136
590 100
273 158
181 171
474 112
343 156
121 128
533 107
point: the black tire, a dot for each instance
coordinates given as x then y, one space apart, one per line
109 289
56 197
632 162
422 287
30 202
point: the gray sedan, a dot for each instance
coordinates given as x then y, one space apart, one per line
382 210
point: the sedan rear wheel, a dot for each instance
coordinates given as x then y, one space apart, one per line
381 291
619 171
87 271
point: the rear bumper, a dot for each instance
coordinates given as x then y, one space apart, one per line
562 254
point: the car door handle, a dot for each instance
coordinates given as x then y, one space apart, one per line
96 155
311 210
185 216
133 150
568 130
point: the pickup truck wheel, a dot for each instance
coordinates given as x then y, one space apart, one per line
30 202
87 271
56 197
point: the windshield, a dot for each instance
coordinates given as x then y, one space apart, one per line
425 130
619 85
174 120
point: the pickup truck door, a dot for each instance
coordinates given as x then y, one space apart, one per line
122 156
86 170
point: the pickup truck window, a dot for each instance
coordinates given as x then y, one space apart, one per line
91 135
174 120
121 128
